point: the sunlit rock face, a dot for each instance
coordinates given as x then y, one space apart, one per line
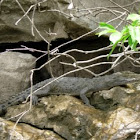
114 115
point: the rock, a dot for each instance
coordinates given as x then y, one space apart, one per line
120 124
107 99
128 65
14 73
24 132
71 119
66 115
127 96
54 20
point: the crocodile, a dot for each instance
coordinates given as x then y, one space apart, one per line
68 85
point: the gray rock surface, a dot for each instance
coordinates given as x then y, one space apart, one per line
55 17
14 73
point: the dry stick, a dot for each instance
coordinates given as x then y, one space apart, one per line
31 91
24 14
102 73
89 52
134 61
127 5
75 63
34 50
99 57
1 2
85 7
32 23
79 69
50 68
86 52
87 70
57 48
32 71
97 64
119 6
99 8
125 15
103 56
113 55
117 18
55 10
115 63
73 40
24 48
119 57
21 115
113 12
67 55
136 135
32 19
134 2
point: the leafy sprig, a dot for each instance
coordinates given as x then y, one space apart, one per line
130 33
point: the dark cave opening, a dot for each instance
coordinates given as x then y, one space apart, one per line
42 46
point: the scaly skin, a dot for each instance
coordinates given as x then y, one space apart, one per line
69 85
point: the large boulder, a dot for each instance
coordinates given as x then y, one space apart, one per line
56 19
14 73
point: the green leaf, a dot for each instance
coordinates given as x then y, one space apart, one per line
105 32
114 37
133 46
130 41
135 23
133 17
137 31
113 48
106 26
124 38
125 30
132 33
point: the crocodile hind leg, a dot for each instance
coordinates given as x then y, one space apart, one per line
84 97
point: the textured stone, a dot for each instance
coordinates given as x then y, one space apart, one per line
24 132
73 120
62 21
66 115
14 73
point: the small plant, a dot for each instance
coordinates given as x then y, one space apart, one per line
130 33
